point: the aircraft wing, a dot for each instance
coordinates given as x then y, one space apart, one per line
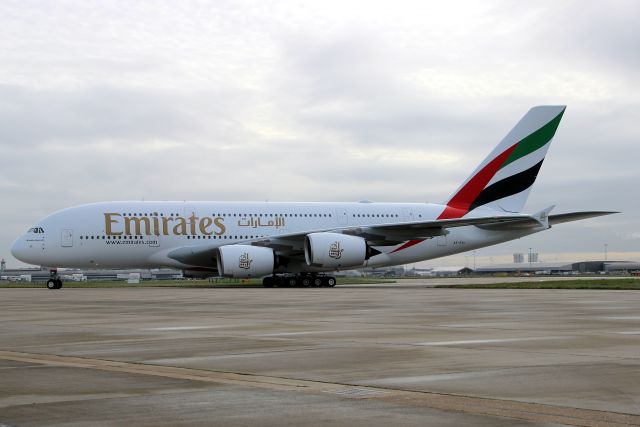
291 245
576 216
392 234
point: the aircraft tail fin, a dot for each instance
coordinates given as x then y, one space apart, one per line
503 180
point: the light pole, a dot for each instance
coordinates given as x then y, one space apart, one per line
605 252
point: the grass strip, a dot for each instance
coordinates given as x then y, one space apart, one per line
600 284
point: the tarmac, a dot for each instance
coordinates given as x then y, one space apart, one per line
357 356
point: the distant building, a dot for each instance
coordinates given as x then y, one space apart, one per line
518 258
451 271
383 272
583 267
3 265
42 275
623 267
419 272
532 257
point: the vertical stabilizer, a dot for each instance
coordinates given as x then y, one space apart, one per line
503 180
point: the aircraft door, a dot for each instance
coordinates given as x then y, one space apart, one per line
407 215
341 216
66 238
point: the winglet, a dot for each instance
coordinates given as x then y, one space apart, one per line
543 216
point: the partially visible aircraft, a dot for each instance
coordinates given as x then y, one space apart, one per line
297 244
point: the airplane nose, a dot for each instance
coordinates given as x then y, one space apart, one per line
18 249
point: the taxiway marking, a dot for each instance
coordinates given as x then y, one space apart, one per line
447 402
487 341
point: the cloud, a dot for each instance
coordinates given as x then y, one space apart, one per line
322 101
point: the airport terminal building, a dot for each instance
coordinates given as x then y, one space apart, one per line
563 268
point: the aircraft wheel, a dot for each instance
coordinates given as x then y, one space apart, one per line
306 282
51 284
292 282
330 282
317 282
58 284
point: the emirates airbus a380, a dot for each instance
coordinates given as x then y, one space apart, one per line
291 244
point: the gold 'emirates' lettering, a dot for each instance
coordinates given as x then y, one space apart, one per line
116 224
137 221
180 229
108 222
192 223
205 223
218 221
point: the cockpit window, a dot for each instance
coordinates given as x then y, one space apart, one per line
36 230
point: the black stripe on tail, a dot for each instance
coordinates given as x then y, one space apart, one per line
509 186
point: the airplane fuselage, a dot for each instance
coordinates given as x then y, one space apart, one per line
142 234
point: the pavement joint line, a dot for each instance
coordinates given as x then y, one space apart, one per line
443 401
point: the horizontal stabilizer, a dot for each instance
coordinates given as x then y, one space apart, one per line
576 216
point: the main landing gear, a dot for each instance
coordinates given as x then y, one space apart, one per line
299 281
54 282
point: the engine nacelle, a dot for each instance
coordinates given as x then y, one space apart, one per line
244 261
334 251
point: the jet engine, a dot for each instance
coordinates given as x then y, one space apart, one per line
244 261
335 251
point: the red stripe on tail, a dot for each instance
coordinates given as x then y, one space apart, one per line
459 204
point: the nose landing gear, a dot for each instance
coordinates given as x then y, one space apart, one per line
54 282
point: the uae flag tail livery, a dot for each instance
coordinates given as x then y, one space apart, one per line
503 180
297 244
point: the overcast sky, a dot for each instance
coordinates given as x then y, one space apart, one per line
318 101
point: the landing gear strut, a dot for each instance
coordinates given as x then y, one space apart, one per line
302 280
54 282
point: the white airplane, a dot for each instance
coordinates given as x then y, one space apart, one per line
293 244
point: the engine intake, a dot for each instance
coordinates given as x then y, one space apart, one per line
244 261
335 251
